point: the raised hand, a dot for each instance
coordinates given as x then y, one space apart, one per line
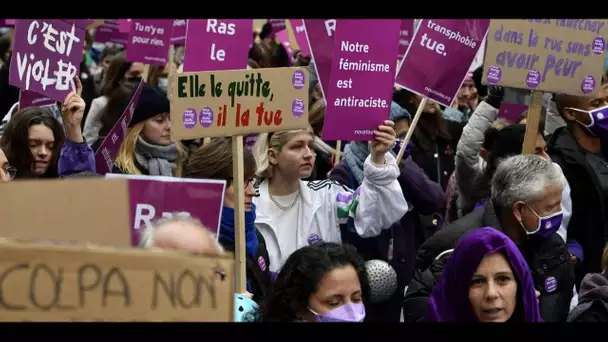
384 139
72 109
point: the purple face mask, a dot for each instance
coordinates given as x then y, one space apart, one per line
408 148
547 225
599 121
350 312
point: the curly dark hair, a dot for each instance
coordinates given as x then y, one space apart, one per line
300 277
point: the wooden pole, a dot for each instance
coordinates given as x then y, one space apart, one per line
533 121
410 131
238 186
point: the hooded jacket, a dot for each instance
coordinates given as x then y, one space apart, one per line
449 301
592 300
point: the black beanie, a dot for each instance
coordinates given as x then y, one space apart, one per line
151 103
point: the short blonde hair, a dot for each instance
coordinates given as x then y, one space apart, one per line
276 141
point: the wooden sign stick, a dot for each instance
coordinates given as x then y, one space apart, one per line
410 131
238 185
533 121
338 149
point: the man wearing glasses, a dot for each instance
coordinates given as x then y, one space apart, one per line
8 172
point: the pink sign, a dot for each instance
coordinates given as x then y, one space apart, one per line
406 33
299 32
511 111
217 44
154 197
439 57
108 150
149 41
46 56
277 24
362 78
109 33
124 25
178 36
321 43
80 23
32 99
7 22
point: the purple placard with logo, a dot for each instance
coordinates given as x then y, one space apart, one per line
406 33
277 24
319 33
362 78
32 99
7 22
108 150
152 197
439 57
109 33
149 41
178 35
299 32
217 44
511 111
46 56
124 25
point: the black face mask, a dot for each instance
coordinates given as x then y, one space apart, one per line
134 81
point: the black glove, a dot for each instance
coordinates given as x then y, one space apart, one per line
495 96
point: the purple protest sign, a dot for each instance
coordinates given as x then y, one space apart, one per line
32 99
46 56
319 35
439 57
277 24
80 23
511 111
217 44
154 197
109 33
362 78
407 30
297 25
149 41
124 25
108 150
178 36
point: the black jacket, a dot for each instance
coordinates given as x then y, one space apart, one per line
592 300
589 222
546 258
258 267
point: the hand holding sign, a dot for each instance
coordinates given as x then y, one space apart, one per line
72 112
384 139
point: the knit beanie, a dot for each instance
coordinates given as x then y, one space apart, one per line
398 112
151 103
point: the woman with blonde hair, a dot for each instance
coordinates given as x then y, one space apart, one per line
292 213
147 149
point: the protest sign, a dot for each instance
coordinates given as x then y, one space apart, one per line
511 111
238 102
277 24
109 33
67 283
217 44
479 57
149 41
46 56
178 35
319 34
439 57
407 30
65 210
33 99
80 23
552 55
362 78
7 22
154 197
124 25
108 150
299 33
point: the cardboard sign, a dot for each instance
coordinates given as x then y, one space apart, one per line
46 56
217 44
33 99
439 57
406 33
64 210
238 102
319 33
553 55
299 33
178 36
153 197
108 150
362 78
63 283
149 41
110 33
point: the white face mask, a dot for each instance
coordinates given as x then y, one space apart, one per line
162 84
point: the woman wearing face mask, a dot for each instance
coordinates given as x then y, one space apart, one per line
214 161
35 143
321 283
397 245
485 280
116 89
159 78
292 213
147 149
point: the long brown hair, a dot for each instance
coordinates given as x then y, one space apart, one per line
115 75
15 141
117 103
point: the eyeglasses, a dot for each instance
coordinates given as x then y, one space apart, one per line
10 171
247 181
